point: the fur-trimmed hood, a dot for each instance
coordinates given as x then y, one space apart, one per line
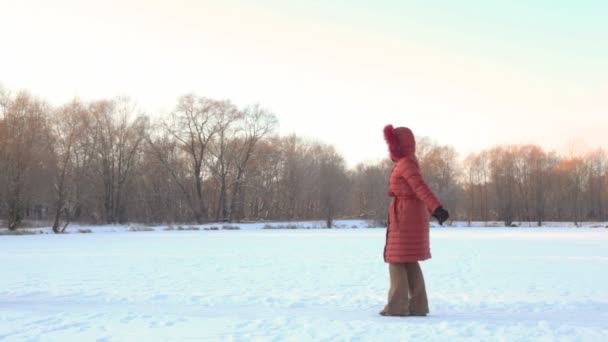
401 142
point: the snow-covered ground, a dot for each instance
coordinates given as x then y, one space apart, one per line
530 284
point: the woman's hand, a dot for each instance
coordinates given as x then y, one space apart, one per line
441 215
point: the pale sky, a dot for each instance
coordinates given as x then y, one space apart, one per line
471 74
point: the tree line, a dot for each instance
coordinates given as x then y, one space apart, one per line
106 162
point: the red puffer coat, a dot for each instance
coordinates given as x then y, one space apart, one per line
407 236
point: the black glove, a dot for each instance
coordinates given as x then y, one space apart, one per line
441 215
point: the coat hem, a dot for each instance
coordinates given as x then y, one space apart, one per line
400 261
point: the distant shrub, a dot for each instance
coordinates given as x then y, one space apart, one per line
376 223
230 227
211 228
282 226
180 228
139 228
17 232
85 231
33 224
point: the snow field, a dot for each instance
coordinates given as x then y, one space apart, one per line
303 285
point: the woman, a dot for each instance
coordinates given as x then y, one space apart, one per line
407 234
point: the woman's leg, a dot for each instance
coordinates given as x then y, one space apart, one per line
418 302
398 302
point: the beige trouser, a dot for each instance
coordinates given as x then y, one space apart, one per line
407 295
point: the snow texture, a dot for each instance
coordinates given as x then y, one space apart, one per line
485 284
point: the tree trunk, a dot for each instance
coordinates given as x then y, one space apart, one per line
221 215
329 219
14 216
201 210
57 215
67 220
236 193
14 206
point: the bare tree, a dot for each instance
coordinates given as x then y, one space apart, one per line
293 174
572 174
370 185
69 126
26 146
166 172
334 185
502 173
597 166
441 170
192 126
221 156
535 181
263 180
257 124
476 170
118 136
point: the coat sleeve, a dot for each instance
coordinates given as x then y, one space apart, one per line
413 177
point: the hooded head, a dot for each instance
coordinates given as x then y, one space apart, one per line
400 142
